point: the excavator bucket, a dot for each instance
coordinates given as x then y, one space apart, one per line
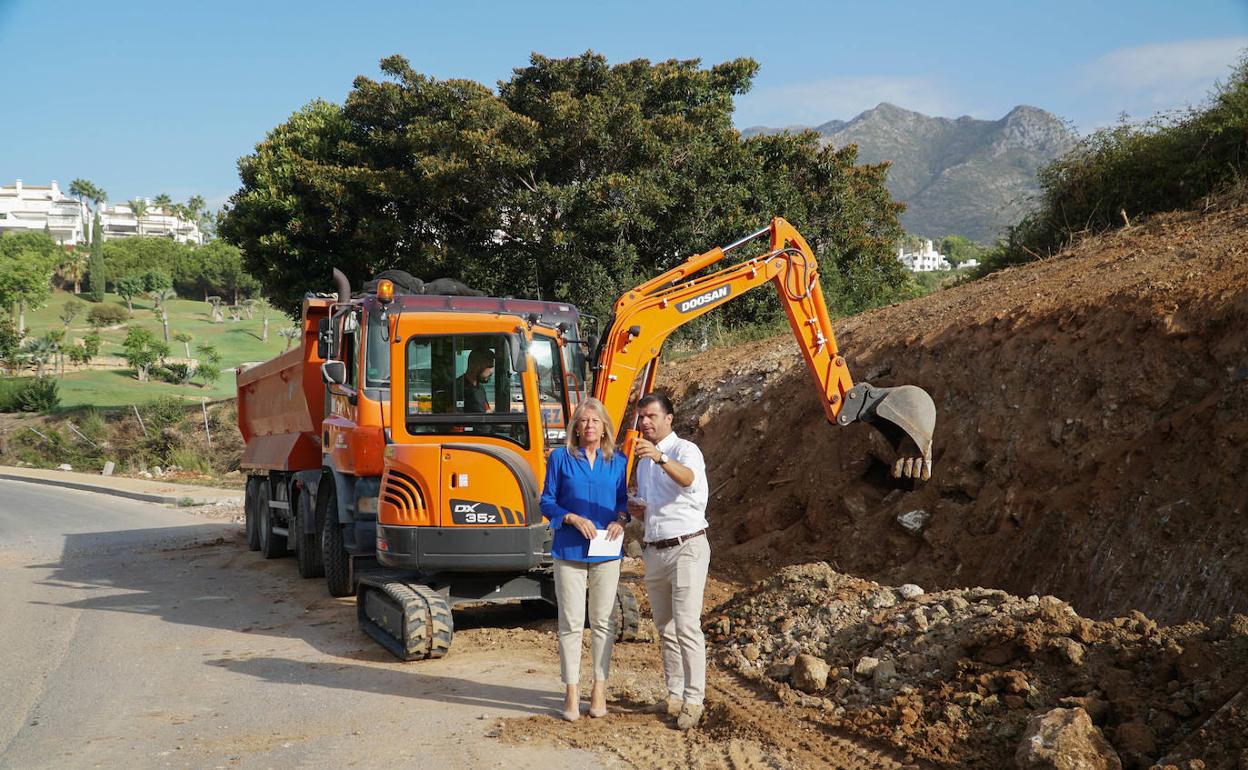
906 415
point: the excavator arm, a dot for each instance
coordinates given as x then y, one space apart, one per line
645 317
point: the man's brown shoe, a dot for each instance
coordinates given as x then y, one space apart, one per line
667 708
690 716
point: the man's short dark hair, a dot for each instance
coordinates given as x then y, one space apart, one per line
480 358
657 398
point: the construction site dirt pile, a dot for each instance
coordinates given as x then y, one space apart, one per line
953 678
1093 419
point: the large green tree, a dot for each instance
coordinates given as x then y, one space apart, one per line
27 262
573 180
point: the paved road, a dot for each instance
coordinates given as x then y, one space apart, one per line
135 635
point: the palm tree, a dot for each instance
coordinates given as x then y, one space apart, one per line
160 297
74 267
195 206
185 338
39 350
289 335
162 202
139 207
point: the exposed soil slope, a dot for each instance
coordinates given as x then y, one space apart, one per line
1093 416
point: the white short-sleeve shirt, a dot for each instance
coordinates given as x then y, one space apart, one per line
673 510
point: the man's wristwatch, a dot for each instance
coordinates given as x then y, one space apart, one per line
663 458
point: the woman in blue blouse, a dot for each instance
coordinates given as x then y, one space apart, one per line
586 491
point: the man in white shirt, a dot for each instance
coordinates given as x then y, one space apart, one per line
671 480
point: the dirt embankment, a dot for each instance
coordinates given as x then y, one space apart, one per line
1093 417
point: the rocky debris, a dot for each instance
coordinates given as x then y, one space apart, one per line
958 678
810 674
1064 739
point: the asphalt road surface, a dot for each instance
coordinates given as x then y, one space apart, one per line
135 635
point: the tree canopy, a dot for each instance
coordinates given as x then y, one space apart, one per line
574 180
27 261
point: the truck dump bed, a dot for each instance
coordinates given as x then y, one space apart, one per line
281 403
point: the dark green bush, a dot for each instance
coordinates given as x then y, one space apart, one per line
107 315
40 394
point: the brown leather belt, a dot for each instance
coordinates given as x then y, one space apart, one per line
672 542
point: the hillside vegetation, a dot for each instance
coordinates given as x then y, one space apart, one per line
1119 174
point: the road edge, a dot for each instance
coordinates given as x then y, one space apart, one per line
147 497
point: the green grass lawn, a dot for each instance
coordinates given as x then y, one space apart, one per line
236 342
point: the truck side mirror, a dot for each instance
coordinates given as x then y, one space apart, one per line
334 372
324 339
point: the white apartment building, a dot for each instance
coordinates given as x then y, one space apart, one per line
119 221
34 207
925 260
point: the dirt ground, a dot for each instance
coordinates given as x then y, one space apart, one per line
1093 411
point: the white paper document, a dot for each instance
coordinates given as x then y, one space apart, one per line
601 546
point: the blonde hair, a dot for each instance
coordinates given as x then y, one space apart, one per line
607 445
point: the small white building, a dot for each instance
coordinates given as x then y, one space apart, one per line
37 207
119 221
925 260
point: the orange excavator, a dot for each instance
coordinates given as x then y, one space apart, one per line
409 474
647 315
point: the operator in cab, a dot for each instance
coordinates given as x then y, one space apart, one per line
471 384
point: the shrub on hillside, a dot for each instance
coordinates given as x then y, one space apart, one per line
31 394
1131 170
163 412
107 315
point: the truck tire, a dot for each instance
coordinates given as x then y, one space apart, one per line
626 616
272 545
337 563
307 544
251 512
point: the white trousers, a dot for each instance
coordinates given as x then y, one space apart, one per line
675 582
573 579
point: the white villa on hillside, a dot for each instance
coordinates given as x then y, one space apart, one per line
34 207
924 260
118 221
26 207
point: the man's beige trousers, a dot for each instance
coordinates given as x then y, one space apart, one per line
572 579
675 581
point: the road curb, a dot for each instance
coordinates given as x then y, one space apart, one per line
148 497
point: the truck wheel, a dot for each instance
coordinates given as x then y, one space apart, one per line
307 544
272 545
626 616
251 512
333 552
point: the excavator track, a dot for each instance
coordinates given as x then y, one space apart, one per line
411 620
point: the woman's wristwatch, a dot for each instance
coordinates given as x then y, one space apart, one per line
622 519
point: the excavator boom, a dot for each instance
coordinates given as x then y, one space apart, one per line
645 316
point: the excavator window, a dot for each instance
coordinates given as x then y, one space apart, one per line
463 384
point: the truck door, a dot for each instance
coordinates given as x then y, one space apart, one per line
343 402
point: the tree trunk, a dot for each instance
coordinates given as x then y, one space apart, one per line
188 358
264 335
77 286
164 320
130 307
21 318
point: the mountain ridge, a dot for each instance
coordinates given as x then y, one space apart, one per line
964 175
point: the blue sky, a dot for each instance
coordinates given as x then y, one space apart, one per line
143 97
